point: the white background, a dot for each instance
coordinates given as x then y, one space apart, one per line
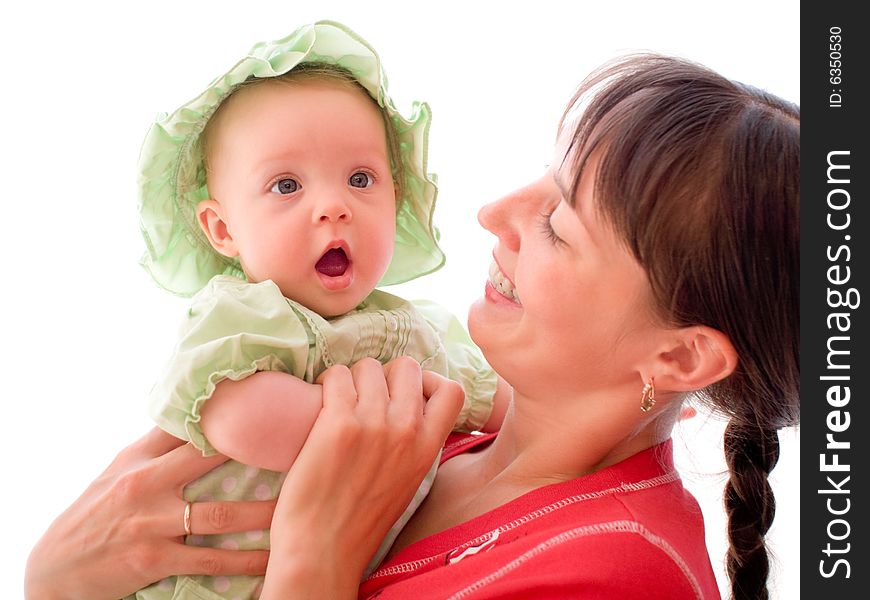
84 331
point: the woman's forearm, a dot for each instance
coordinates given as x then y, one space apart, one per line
308 579
262 420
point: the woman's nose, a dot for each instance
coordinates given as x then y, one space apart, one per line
504 218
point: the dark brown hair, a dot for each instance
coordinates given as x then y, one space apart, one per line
699 175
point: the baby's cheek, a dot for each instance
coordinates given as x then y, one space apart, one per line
382 254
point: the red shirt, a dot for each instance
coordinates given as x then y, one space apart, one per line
627 531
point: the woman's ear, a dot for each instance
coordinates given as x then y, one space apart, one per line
697 357
211 218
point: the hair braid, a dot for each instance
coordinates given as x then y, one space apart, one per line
751 453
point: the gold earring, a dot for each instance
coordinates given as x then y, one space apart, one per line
648 396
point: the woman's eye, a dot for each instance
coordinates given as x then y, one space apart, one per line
285 186
360 180
547 228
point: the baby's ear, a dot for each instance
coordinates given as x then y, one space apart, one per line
693 358
210 215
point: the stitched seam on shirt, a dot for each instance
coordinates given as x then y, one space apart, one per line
316 341
438 348
377 338
459 443
541 512
572 534
403 332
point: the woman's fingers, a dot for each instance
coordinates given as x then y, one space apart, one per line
404 373
156 443
338 388
193 560
173 470
151 445
444 401
185 463
405 381
371 389
209 518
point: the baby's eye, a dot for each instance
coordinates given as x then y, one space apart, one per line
285 186
360 179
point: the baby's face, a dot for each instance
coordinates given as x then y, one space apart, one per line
302 175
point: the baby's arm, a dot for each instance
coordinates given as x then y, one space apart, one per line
261 420
236 381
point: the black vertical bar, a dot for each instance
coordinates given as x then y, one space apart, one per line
835 370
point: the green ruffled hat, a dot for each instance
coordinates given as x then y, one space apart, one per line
172 174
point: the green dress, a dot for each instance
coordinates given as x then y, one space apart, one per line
234 329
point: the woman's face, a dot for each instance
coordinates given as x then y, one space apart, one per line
566 307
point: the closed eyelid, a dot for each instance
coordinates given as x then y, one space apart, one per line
546 227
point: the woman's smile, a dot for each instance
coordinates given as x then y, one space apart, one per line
499 283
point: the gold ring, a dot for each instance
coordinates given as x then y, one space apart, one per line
187 530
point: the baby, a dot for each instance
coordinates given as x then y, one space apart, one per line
281 197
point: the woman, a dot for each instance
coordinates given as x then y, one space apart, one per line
631 275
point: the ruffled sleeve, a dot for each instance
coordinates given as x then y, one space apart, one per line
232 330
466 365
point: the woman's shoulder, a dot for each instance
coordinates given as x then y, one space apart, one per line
616 559
628 531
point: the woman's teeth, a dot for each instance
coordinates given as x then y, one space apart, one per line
502 285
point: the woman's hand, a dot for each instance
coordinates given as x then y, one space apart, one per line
127 530
379 431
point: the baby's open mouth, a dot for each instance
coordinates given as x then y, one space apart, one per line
333 263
